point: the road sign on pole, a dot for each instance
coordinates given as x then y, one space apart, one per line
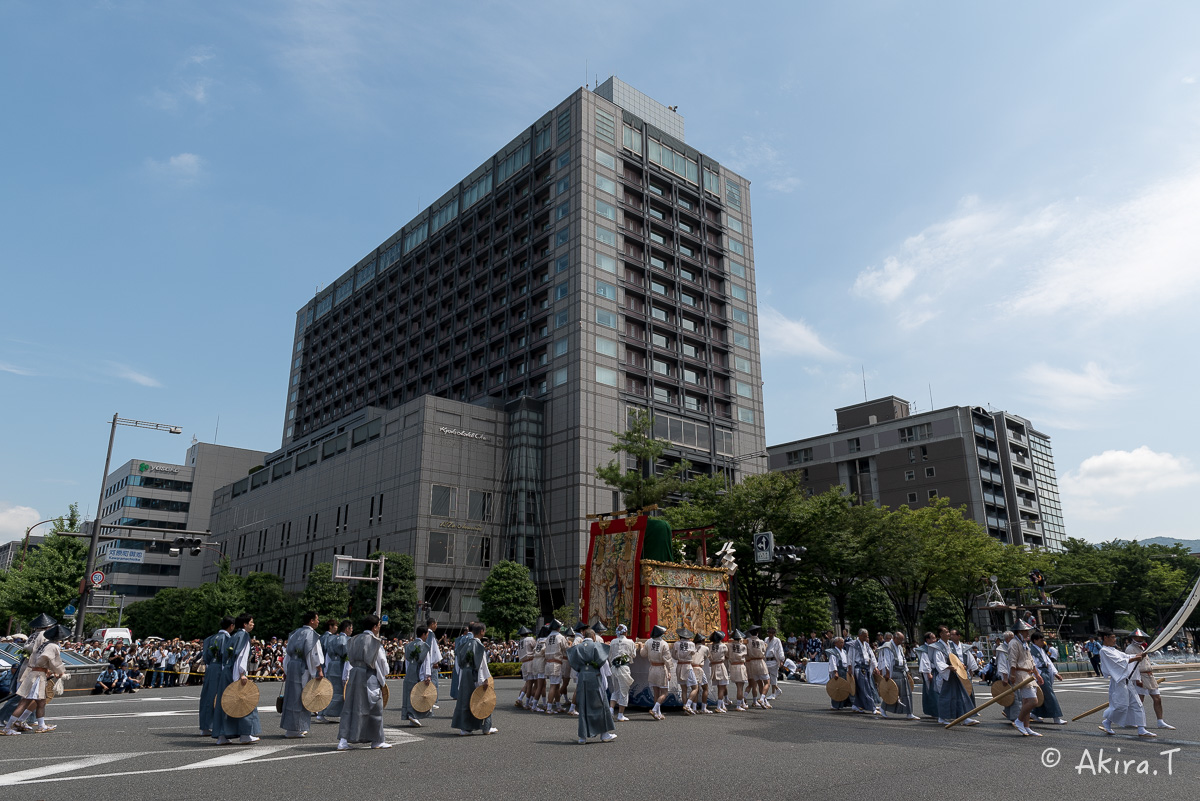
764 546
97 577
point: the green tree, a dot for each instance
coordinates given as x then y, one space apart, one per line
509 598
211 601
399 593
68 523
870 608
330 599
806 611
918 551
49 581
942 610
1088 575
275 611
642 485
566 614
834 529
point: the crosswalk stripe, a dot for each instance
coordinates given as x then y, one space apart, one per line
32 775
235 757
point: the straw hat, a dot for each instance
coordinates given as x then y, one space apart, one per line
383 691
998 688
1041 698
239 699
888 691
423 696
483 701
316 694
837 688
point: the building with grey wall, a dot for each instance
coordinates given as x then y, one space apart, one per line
160 495
10 552
597 263
995 463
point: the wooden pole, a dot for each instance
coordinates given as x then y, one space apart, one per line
1089 712
999 697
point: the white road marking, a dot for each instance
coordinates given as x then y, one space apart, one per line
128 700
163 713
394 735
34 775
233 757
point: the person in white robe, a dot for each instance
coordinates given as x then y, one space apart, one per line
774 660
621 652
420 665
1124 705
304 661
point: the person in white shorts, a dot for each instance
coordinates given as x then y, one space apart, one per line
621 652
1146 683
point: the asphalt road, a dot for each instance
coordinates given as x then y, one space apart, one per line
147 746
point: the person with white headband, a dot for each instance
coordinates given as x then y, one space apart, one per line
621 652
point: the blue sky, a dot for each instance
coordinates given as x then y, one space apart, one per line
999 203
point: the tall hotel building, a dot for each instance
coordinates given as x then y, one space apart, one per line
453 392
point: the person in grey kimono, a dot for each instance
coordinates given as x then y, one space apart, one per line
211 651
336 669
929 699
893 665
362 716
1049 711
839 665
419 666
462 638
953 701
304 660
471 658
588 659
866 668
235 666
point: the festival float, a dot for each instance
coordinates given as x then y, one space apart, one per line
631 576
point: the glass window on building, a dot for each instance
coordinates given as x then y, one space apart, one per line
441 548
479 505
444 501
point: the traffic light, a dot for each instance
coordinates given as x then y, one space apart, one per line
789 553
192 544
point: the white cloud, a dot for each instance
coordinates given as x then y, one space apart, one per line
783 336
1068 390
1119 258
754 155
886 283
1104 484
1190 79
15 519
5 367
185 167
129 374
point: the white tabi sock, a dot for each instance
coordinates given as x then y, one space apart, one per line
11 720
572 709
657 708
520 696
41 721
25 715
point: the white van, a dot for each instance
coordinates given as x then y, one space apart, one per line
109 637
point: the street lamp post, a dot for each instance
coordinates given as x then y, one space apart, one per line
85 588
